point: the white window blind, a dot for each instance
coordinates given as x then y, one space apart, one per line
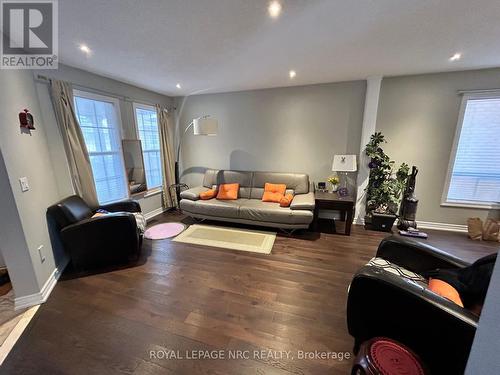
99 121
475 175
147 128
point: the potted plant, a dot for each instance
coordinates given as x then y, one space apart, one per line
334 182
385 186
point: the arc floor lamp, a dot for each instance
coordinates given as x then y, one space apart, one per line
204 125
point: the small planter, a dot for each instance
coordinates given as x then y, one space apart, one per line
382 222
335 187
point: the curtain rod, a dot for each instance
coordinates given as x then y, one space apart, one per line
480 91
44 79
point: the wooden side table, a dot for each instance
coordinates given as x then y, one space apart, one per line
332 201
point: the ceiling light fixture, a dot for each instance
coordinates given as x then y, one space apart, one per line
274 9
178 85
292 74
85 49
456 57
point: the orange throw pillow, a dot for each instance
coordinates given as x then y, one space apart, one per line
445 290
228 191
286 200
273 192
209 194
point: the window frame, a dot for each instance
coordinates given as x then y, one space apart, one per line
444 198
148 107
116 104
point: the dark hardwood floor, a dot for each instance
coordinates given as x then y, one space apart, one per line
186 297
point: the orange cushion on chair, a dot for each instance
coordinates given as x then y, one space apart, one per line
445 290
228 191
273 192
209 194
286 200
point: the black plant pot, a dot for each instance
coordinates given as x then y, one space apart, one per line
382 222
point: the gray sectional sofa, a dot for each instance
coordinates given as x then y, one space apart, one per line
249 208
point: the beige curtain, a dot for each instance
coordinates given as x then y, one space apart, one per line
74 144
166 123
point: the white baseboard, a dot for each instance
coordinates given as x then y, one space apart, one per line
40 297
154 213
428 225
442 226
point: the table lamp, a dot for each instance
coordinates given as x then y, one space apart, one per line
344 164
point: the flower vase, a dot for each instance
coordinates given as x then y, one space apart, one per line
335 187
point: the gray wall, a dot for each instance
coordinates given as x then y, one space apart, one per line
418 115
23 226
127 94
293 129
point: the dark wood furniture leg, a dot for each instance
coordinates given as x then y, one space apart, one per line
348 223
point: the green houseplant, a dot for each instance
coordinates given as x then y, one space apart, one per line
385 185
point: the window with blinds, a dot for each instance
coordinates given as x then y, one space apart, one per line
147 129
475 167
100 124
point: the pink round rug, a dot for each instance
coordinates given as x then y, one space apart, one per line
165 230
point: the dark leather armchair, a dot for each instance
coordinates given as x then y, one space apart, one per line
381 303
99 241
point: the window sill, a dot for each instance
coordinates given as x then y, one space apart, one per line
153 192
480 206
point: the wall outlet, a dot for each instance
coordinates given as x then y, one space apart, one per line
24 184
40 252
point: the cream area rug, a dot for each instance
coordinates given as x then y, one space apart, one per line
228 238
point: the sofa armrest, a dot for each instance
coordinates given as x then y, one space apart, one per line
416 256
438 330
303 202
127 205
193 194
102 240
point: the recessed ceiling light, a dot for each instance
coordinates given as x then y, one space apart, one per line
178 85
292 73
456 57
274 9
85 49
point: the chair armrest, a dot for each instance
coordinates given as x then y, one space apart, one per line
127 205
303 202
102 240
416 256
193 193
383 304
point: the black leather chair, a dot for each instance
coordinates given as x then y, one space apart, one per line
95 242
381 303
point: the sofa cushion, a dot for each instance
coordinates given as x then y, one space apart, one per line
213 207
193 193
297 182
253 209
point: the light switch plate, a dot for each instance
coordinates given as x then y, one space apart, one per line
24 184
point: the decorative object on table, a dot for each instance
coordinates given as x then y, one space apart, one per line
385 186
322 187
475 228
409 204
204 125
255 241
344 164
491 230
334 183
26 120
332 201
411 232
164 231
381 355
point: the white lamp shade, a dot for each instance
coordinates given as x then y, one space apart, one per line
205 126
344 163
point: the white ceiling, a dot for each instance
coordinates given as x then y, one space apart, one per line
228 45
